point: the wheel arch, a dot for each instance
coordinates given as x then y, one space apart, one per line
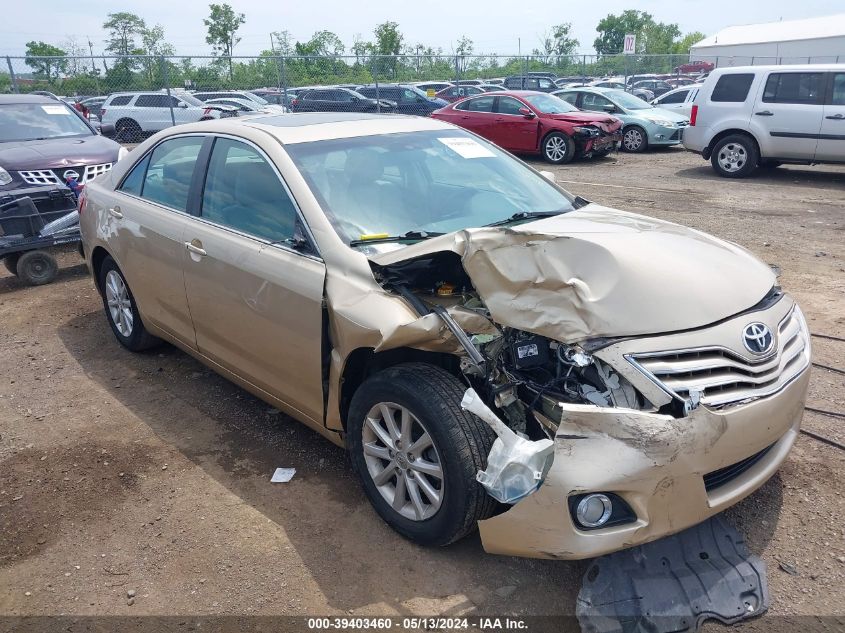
98 256
729 132
363 362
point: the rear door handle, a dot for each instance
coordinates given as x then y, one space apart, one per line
195 249
115 212
836 117
765 113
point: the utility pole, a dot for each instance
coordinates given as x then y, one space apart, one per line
94 70
278 67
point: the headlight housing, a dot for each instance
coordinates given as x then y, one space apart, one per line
587 130
5 177
663 122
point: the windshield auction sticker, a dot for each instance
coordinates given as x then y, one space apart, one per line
466 147
55 109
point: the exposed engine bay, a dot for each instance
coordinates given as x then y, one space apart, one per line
523 375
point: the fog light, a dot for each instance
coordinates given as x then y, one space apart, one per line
594 510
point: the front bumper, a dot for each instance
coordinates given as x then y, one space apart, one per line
656 463
661 135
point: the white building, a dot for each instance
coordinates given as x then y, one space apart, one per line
814 40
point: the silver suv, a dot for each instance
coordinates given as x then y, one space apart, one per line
763 116
135 113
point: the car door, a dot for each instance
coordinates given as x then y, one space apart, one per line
788 111
513 130
256 300
151 112
476 114
831 144
149 215
674 101
183 111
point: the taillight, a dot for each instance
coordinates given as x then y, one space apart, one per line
206 112
102 113
693 115
294 102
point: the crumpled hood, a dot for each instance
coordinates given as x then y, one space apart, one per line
58 152
598 272
605 122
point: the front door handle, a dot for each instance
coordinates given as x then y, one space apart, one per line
765 113
836 117
195 249
115 212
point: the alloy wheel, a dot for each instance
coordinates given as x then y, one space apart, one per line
120 305
732 157
632 140
403 461
556 148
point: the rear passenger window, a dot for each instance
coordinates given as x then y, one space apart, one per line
677 97
732 88
803 88
243 192
168 178
119 101
152 101
479 104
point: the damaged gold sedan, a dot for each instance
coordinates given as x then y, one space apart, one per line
491 350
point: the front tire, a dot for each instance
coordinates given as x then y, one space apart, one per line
122 311
634 139
417 453
128 131
558 149
735 156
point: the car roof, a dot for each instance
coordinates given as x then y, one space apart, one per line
318 126
7 99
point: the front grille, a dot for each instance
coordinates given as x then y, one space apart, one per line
675 136
57 176
723 377
727 474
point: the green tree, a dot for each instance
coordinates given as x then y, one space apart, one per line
463 50
323 43
683 46
388 41
282 43
612 30
46 60
154 44
223 24
557 43
123 28
362 50
658 38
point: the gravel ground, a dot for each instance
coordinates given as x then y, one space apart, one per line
148 473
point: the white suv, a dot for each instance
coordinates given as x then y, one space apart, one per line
764 116
135 114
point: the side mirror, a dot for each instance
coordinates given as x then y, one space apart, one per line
528 114
106 129
182 104
548 175
609 108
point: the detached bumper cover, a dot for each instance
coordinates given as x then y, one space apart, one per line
656 463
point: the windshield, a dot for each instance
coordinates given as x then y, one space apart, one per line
435 181
258 99
33 121
627 101
550 104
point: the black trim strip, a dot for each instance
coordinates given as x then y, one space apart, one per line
822 137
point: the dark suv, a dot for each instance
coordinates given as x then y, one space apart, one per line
408 99
46 142
528 82
338 100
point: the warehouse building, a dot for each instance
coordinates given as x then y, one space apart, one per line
813 40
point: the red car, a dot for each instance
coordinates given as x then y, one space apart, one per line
524 121
453 93
695 67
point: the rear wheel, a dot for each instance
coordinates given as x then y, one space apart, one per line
11 263
121 310
634 139
36 268
734 156
128 131
558 148
417 453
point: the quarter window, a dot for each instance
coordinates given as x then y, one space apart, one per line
732 88
243 192
802 88
168 177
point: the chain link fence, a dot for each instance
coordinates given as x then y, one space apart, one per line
157 92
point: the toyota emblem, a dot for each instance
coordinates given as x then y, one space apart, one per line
758 338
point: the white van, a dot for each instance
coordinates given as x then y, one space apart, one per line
764 116
679 100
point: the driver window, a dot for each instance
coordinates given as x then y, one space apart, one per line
594 102
479 104
243 192
508 105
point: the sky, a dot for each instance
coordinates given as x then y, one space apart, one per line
495 26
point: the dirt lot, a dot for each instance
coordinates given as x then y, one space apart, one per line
150 473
